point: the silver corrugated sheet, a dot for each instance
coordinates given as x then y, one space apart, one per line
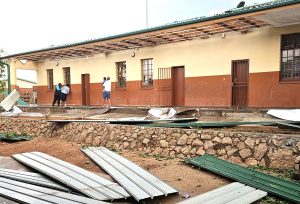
27 193
234 193
10 100
31 178
75 177
137 181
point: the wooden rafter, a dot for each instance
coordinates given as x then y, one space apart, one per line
149 39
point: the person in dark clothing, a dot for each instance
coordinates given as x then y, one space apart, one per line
57 94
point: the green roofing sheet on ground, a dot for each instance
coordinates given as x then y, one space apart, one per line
279 187
229 13
215 124
14 138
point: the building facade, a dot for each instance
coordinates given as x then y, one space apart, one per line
245 58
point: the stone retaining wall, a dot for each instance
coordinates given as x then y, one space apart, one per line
271 150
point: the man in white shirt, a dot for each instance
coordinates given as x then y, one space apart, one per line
65 90
107 90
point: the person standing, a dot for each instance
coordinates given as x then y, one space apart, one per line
107 90
65 90
103 91
57 94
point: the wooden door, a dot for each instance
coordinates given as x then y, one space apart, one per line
240 79
178 86
165 88
85 89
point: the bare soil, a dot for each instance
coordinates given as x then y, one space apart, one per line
184 177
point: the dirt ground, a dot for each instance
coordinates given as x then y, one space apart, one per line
185 178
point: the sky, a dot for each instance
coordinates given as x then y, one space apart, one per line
34 24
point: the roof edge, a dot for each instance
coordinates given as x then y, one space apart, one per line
229 13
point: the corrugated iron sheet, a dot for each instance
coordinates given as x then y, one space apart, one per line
10 100
233 193
137 181
75 177
27 193
282 188
31 178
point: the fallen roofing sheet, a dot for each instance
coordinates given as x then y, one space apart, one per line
292 115
10 100
31 178
137 181
75 177
128 121
14 138
288 126
214 124
234 193
282 188
27 193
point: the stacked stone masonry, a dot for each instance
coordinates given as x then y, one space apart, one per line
271 150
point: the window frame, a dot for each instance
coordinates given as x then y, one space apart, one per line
119 84
67 75
143 70
293 37
50 80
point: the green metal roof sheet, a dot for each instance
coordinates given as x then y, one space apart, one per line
214 124
282 188
229 13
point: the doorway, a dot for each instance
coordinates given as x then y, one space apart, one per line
240 80
85 89
178 84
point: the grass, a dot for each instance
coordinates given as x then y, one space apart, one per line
272 200
281 173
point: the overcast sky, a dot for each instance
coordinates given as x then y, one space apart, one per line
33 24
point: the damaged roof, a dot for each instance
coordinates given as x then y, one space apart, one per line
234 20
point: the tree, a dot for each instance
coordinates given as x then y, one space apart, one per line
2 72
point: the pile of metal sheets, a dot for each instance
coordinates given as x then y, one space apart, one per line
31 178
137 181
75 177
28 193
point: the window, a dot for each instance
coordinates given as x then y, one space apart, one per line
121 74
67 75
290 57
147 72
50 79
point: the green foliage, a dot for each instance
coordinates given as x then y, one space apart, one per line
272 200
281 173
2 70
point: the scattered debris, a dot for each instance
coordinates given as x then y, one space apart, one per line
185 195
10 100
75 177
162 113
282 188
290 115
234 193
137 181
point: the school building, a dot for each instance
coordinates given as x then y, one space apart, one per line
244 57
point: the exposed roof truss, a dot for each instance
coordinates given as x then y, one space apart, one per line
184 33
